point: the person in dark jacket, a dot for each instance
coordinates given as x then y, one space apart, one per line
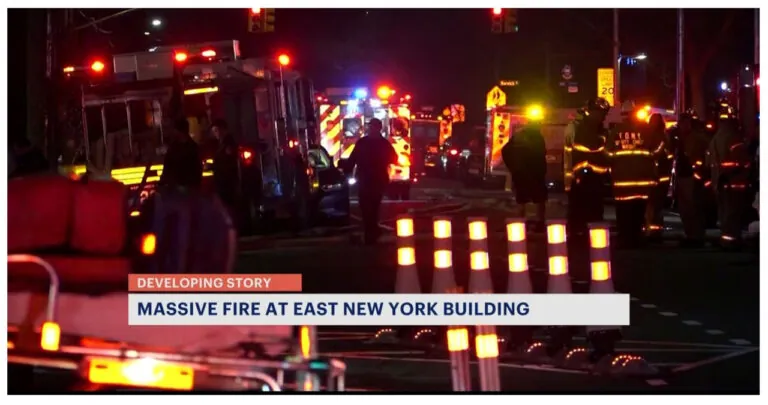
525 157
373 154
226 171
182 166
28 159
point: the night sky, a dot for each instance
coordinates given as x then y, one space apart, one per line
449 55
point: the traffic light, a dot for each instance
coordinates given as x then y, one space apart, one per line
497 26
510 21
269 20
261 20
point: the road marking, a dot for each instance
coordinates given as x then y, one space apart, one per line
740 342
635 299
692 323
648 306
691 366
580 282
714 332
667 314
656 382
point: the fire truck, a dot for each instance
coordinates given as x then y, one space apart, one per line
344 114
130 100
501 125
426 131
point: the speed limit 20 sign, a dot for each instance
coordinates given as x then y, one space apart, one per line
605 84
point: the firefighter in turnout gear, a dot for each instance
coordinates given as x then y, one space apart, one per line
525 157
689 148
585 166
658 143
729 161
633 173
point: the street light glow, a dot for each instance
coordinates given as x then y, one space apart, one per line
641 56
156 22
723 86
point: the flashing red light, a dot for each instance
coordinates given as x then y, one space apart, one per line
407 96
180 57
246 155
97 66
209 53
284 60
319 98
453 152
256 11
497 11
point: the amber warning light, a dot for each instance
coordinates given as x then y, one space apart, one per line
180 57
97 66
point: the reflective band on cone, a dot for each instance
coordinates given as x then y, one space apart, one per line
407 277
479 273
307 352
600 265
487 351
559 281
444 279
519 277
458 349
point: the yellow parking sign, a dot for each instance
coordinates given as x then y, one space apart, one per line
605 84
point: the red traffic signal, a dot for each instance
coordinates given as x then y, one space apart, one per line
497 11
255 11
284 59
97 66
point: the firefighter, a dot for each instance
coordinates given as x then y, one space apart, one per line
182 166
372 154
657 142
585 166
729 161
525 158
690 146
226 170
633 174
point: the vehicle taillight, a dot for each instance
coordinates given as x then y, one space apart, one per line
180 57
246 155
291 144
148 244
97 66
453 152
209 53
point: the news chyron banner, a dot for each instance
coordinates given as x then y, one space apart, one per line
276 299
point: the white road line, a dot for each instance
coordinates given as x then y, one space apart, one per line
715 332
656 382
648 306
670 314
692 323
691 366
740 342
635 299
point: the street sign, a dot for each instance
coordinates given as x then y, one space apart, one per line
605 84
509 83
495 98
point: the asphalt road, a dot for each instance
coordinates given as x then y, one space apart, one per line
694 313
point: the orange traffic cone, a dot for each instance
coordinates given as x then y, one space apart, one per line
407 281
444 279
602 338
559 282
519 277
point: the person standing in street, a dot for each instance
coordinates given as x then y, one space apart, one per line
633 173
657 142
525 158
182 166
585 166
226 169
690 147
372 155
729 161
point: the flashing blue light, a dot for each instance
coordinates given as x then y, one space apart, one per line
361 93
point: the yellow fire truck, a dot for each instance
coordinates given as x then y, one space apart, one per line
344 116
129 102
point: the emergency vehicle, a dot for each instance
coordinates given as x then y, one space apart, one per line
268 106
344 114
426 137
501 125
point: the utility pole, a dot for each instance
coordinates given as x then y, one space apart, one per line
680 93
616 78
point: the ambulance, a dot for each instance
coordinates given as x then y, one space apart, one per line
501 125
344 115
130 101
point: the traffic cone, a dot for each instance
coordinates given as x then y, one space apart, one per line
487 351
602 338
307 381
444 279
519 337
558 282
458 349
407 281
479 275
